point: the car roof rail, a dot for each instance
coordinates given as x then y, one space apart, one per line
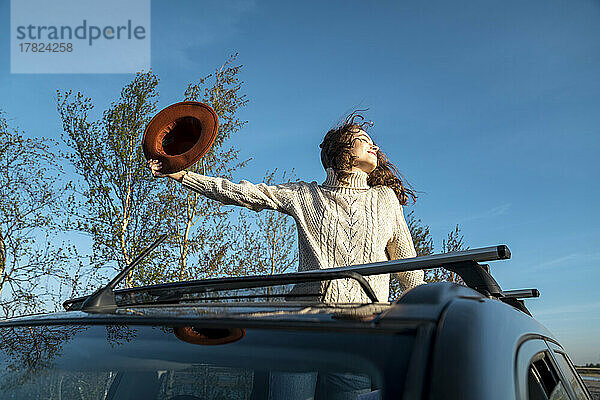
522 293
464 263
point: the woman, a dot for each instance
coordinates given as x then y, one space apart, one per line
354 217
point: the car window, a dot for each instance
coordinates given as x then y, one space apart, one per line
543 380
166 363
570 374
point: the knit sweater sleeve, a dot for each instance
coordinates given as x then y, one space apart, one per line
401 246
255 197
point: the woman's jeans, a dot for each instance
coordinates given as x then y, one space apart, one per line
303 385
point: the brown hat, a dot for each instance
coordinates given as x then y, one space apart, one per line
180 134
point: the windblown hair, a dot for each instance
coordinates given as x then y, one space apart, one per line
335 154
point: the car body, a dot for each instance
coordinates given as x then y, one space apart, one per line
438 341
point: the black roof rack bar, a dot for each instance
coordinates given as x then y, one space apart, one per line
356 272
175 290
249 282
522 293
492 253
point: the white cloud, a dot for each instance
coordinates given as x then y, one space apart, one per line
184 38
566 260
493 212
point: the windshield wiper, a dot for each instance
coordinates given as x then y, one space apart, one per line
103 299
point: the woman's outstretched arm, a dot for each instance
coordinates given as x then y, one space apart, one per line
255 197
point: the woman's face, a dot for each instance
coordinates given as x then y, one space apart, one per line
364 151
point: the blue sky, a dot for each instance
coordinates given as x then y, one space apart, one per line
490 108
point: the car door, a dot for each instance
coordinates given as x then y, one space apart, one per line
537 375
573 382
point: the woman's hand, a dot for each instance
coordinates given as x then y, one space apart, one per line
155 167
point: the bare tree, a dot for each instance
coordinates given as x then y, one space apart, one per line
454 242
423 243
202 227
28 219
421 236
114 200
424 246
122 207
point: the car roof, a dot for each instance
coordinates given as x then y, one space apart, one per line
422 304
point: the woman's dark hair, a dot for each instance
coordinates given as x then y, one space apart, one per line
335 154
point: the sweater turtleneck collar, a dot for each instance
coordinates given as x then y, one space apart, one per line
355 180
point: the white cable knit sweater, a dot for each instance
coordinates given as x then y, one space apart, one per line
338 224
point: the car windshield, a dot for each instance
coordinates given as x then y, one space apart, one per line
160 362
